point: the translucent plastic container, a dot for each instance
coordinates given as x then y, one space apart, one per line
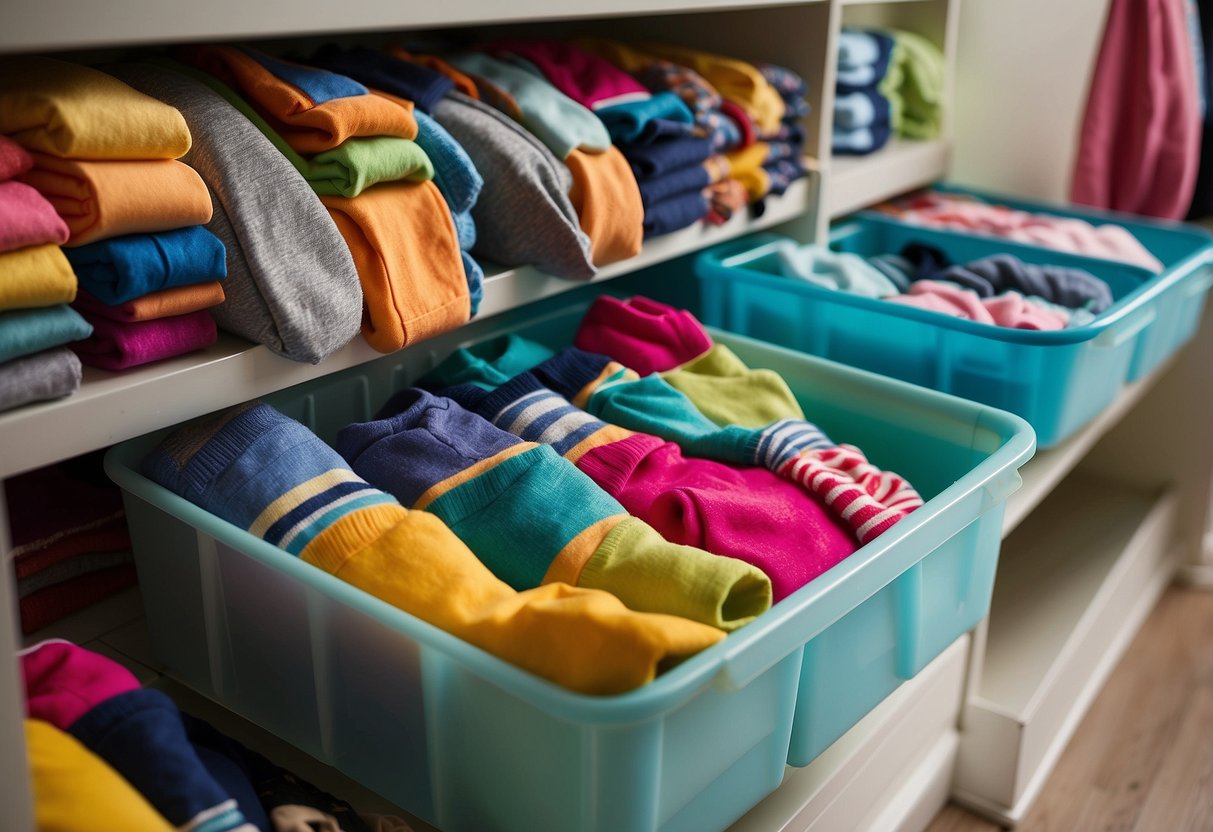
1177 295
468 742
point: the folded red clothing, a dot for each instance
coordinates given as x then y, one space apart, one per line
46 606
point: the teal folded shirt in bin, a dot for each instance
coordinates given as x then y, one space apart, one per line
745 513
532 517
124 268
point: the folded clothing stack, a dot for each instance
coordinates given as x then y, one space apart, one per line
71 547
106 157
357 151
38 282
890 83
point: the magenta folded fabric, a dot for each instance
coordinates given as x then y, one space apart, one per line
587 79
118 345
14 159
643 334
27 219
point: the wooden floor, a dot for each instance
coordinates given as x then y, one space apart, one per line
1142 759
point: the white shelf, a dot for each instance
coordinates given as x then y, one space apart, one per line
901 165
877 2
1074 584
112 407
32 25
860 776
1044 471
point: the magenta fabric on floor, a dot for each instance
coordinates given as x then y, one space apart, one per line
117 346
646 336
63 682
27 219
746 513
1140 143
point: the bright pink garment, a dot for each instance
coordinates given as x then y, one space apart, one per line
647 336
63 682
1140 145
1011 309
746 513
14 159
118 345
27 219
585 78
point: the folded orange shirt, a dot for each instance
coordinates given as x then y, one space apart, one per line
179 300
404 246
98 200
306 126
607 200
35 276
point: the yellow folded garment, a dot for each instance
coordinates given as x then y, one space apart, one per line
35 276
76 112
98 200
583 639
745 166
736 80
76 791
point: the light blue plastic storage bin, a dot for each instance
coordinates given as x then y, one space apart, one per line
1058 381
468 742
1177 295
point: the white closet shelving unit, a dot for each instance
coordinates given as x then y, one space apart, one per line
896 767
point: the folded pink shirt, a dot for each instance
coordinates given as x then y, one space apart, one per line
27 219
14 159
653 337
63 682
1009 309
587 79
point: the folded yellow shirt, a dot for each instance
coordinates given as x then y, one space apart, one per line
76 112
76 791
736 80
36 276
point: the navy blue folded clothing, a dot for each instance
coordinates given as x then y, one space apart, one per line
863 58
781 173
419 84
861 108
674 214
861 140
124 268
1000 273
691 179
141 736
660 129
627 122
657 158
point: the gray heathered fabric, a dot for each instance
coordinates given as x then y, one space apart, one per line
523 215
291 281
35 378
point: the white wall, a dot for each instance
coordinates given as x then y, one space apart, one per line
1022 70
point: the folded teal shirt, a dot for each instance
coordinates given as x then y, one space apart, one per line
26 331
